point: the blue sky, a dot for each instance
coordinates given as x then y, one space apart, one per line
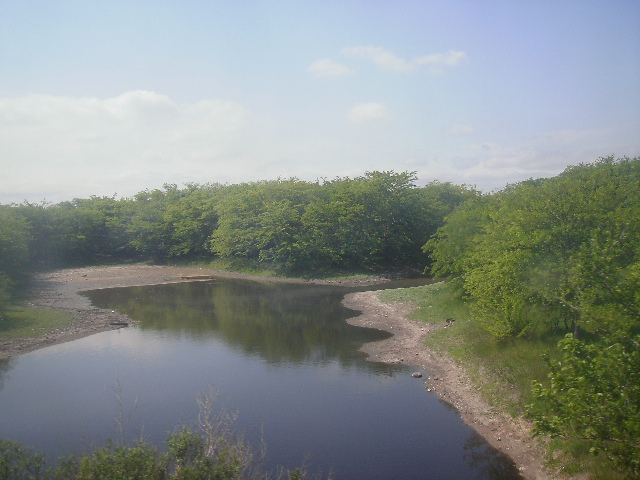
103 98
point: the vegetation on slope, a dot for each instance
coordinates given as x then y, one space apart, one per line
561 256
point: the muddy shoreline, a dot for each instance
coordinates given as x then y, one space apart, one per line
60 290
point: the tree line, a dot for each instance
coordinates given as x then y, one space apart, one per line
369 223
556 255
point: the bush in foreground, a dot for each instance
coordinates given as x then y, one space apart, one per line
190 456
594 396
214 451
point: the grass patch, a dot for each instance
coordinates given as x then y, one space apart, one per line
265 269
501 370
20 322
435 302
248 267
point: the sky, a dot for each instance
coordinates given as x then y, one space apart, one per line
110 98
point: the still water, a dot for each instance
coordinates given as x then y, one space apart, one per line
280 355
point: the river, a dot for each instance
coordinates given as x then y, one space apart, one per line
280 355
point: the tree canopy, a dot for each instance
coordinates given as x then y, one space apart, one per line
562 255
376 221
564 250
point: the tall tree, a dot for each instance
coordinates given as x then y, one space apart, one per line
191 220
14 251
565 249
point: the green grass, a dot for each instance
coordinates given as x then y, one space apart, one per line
265 269
248 267
235 265
501 370
20 322
435 302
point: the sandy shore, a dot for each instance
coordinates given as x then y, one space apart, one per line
447 379
59 290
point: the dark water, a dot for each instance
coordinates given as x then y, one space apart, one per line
281 355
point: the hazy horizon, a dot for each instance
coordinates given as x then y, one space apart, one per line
115 98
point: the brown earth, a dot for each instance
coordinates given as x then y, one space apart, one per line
59 290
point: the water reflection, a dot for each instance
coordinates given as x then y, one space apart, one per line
5 366
486 460
280 354
293 323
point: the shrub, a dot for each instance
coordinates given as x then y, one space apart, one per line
594 395
20 463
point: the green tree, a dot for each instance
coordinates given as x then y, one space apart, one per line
594 395
261 221
375 221
142 220
564 249
41 229
14 252
453 241
81 231
20 463
191 220
14 241
330 238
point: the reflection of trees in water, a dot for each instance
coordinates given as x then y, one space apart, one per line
450 406
489 462
281 322
5 366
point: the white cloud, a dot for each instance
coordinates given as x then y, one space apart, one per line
492 165
58 148
387 60
329 68
367 113
459 130
437 61
136 103
381 57
66 147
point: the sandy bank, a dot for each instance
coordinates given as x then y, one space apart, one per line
447 379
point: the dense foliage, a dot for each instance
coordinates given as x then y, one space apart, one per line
377 221
14 251
562 255
594 395
214 450
565 251
190 455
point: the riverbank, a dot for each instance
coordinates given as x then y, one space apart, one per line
447 379
59 290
